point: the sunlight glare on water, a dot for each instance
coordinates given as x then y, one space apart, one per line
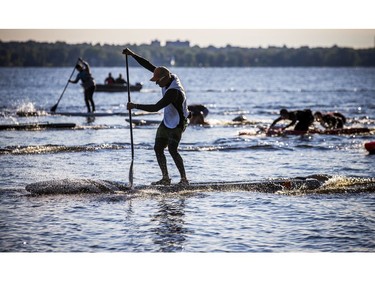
339 218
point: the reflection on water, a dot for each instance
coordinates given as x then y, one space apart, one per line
170 231
90 120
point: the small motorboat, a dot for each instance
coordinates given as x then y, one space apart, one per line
117 88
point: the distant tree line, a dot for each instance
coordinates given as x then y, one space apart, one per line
58 54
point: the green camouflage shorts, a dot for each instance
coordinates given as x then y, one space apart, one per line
168 135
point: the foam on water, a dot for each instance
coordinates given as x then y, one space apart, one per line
339 184
338 181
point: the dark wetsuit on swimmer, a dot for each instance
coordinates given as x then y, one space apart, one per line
174 122
198 108
197 114
303 118
333 120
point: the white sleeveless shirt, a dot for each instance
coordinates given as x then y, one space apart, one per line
171 116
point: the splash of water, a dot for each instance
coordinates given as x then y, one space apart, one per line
342 181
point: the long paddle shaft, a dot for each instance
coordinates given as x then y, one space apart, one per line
131 126
53 108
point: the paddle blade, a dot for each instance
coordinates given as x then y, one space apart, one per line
131 175
53 108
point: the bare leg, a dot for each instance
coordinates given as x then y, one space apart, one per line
89 98
160 145
173 150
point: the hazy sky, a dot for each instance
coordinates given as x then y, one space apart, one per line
293 23
202 37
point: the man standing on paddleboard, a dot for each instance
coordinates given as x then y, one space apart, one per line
174 122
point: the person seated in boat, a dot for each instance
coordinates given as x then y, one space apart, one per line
302 119
197 114
109 80
332 120
120 80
